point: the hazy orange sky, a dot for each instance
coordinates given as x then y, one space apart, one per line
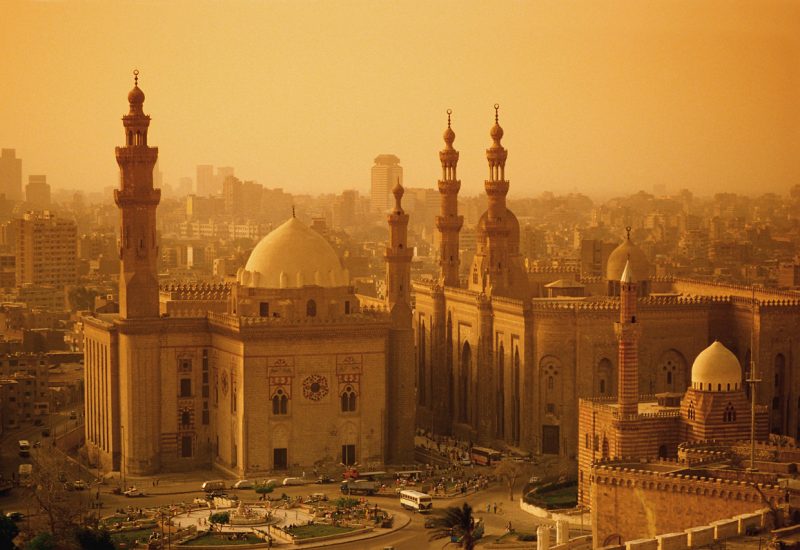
598 97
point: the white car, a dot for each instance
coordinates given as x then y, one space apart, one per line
294 481
243 484
79 484
133 492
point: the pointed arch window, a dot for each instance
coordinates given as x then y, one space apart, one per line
311 308
280 403
348 400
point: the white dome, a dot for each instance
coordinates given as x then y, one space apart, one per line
291 256
716 369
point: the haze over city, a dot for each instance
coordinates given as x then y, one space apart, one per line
599 97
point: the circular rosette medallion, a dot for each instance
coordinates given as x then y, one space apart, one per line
315 387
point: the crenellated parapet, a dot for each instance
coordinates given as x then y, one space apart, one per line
195 291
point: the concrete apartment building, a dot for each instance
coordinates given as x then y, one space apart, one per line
37 192
46 249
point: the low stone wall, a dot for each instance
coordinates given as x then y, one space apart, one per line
575 517
704 535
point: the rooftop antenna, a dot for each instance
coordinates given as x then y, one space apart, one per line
753 380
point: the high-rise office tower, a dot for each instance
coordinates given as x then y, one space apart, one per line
37 192
10 175
204 180
46 249
386 173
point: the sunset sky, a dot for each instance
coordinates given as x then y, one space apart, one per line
597 97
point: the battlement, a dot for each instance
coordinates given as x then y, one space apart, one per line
745 291
365 316
195 291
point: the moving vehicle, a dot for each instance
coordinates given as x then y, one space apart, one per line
133 492
25 471
484 456
359 487
414 500
410 475
353 473
24 447
243 484
215 485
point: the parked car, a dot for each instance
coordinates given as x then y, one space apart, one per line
73 415
325 479
243 484
69 486
294 481
15 516
133 492
79 484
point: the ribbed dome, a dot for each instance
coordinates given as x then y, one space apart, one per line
716 369
293 256
136 96
624 253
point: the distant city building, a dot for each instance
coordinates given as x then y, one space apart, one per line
385 174
46 248
204 180
37 192
10 175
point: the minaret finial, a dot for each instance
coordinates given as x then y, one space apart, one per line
628 231
449 112
136 77
496 114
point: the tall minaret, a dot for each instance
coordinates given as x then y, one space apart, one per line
628 332
137 202
449 222
400 401
139 326
398 255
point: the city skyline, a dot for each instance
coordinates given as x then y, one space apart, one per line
602 99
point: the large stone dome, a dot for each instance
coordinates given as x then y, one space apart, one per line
716 369
624 253
292 256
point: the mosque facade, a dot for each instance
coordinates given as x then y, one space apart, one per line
285 368
499 364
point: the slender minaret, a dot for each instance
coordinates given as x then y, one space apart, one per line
449 222
139 326
398 255
627 330
496 190
400 405
137 201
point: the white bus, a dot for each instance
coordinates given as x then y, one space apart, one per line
414 500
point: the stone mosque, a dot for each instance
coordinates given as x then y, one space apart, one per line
283 368
500 365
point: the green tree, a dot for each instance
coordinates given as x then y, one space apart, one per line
94 539
511 472
8 532
458 522
220 517
42 541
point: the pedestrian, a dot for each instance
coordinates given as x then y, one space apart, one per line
495 507
488 507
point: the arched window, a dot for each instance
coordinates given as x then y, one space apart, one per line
550 382
348 400
606 452
690 412
186 419
464 378
311 308
280 403
730 413
602 386
669 378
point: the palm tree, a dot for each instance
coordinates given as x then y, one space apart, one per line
458 522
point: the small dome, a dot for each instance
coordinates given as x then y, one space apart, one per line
449 136
291 256
496 132
136 96
623 254
716 368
